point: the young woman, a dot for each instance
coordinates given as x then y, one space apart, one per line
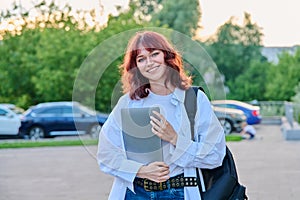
153 75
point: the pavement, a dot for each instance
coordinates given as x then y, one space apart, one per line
268 166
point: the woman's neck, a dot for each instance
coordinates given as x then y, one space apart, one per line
161 89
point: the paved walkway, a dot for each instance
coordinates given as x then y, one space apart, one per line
269 166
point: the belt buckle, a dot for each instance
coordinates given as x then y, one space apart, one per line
146 185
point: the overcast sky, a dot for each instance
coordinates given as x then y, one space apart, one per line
279 20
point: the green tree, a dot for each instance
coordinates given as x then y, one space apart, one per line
40 60
252 83
235 46
17 64
59 54
144 9
182 16
39 54
284 77
296 98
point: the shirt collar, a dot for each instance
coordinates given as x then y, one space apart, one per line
178 96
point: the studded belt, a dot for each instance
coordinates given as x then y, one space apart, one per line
175 182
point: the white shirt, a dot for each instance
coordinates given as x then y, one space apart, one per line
167 109
250 129
207 151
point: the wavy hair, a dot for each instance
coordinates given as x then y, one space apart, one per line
134 82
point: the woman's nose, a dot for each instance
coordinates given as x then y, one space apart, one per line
149 61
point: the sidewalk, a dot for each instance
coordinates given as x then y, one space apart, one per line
269 167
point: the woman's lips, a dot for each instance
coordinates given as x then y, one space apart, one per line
152 69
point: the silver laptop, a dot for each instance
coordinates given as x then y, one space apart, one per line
140 143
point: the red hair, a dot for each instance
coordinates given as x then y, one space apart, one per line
134 82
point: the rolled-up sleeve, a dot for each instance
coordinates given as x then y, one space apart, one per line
111 156
208 148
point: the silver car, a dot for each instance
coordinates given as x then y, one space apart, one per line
231 119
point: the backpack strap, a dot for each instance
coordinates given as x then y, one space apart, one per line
190 103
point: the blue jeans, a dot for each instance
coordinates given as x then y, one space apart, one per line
251 135
167 194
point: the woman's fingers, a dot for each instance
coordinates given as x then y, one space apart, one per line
159 118
159 124
162 128
157 171
162 164
156 127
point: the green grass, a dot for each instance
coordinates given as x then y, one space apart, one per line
47 143
57 143
233 138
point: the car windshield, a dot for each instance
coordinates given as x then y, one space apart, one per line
13 107
87 110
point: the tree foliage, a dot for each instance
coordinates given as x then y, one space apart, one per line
46 14
235 46
182 15
267 81
39 61
252 83
144 9
236 50
284 77
296 98
41 55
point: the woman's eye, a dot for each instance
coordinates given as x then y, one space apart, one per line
154 54
139 60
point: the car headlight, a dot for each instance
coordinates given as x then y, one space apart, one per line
234 115
238 116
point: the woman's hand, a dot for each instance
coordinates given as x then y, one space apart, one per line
156 171
162 128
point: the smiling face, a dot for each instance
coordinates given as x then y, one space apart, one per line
150 59
151 64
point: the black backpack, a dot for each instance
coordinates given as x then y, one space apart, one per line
221 183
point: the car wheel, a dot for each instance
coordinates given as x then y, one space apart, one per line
36 132
95 130
227 126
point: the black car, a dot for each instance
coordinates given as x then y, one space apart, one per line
61 118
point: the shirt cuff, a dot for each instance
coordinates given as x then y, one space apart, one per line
129 170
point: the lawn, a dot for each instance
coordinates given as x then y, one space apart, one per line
77 142
46 143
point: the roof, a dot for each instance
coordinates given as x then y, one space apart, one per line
235 102
57 103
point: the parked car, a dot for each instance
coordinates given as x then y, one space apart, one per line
231 119
14 108
61 118
9 122
252 112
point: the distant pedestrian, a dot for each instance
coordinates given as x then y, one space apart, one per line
248 130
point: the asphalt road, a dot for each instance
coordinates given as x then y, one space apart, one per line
269 166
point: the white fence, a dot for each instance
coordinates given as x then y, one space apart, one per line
290 110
